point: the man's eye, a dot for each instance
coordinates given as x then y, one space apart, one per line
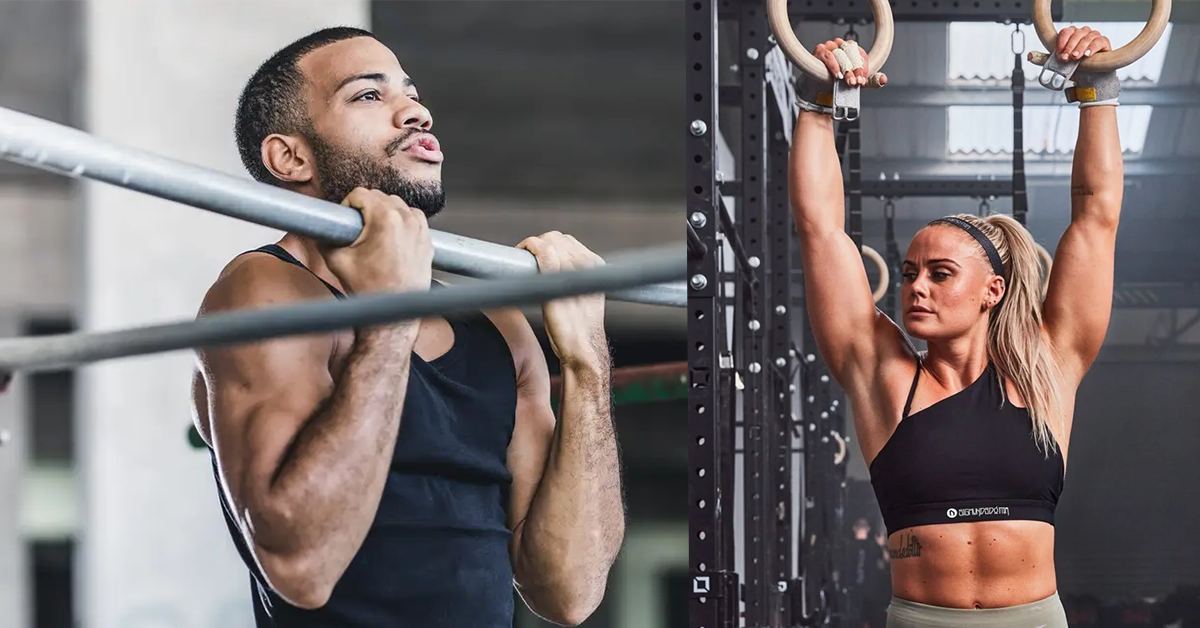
373 92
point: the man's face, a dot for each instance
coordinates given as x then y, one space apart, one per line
369 128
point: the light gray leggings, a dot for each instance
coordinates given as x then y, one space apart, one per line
1047 613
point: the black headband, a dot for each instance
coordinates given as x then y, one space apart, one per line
988 247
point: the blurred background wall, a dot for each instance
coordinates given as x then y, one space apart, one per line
553 116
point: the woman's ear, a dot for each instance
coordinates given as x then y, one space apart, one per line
996 290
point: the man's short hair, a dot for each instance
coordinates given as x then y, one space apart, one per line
272 100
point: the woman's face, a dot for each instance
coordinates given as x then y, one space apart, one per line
948 284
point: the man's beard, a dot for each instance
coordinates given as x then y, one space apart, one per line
341 171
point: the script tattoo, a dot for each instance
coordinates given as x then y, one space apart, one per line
1080 190
908 548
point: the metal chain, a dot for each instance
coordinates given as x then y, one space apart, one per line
1017 35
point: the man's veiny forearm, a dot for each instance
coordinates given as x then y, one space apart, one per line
815 175
576 521
327 488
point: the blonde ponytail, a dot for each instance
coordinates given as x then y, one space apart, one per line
1016 343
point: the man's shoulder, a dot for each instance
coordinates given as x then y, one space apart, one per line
257 278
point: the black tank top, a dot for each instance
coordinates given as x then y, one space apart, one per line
437 554
970 457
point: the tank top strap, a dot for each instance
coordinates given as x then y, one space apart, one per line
281 253
912 391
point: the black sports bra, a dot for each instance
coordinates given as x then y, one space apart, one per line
969 457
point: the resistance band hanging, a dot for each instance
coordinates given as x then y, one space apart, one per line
1020 202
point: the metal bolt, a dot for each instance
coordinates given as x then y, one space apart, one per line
698 220
791 388
754 325
780 310
752 54
810 398
781 586
835 403
780 362
754 261
699 282
824 439
824 415
824 379
791 353
812 427
810 358
699 128
755 367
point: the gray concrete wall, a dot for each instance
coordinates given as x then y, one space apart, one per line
37 242
164 77
14 585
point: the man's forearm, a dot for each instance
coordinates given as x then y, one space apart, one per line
324 495
576 521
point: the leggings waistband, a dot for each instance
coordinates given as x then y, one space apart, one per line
1046 613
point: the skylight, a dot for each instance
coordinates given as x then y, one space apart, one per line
981 52
984 55
982 131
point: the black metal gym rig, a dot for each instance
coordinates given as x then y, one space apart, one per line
756 398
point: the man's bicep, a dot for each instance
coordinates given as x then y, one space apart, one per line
260 393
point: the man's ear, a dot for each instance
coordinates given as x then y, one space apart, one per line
288 158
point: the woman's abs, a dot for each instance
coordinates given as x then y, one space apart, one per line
974 565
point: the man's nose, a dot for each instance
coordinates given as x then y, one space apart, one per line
413 115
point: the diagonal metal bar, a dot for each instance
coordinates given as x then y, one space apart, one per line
71 350
54 147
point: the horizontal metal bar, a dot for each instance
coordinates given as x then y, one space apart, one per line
920 11
1093 11
46 145
1035 168
1156 297
43 353
901 96
898 188
967 188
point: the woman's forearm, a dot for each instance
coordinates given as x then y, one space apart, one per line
815 181
1098 172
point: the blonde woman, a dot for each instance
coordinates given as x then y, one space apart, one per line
966 443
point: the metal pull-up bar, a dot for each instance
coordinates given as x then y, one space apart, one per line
47 145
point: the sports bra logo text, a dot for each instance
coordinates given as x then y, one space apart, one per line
977 512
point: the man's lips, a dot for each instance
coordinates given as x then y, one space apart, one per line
426 147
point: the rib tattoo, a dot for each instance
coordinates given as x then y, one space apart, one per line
909 547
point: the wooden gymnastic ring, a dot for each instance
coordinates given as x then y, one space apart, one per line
880 290
781 26
1160 15
840 456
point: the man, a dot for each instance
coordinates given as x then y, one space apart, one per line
406 474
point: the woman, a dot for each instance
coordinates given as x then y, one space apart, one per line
967 443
